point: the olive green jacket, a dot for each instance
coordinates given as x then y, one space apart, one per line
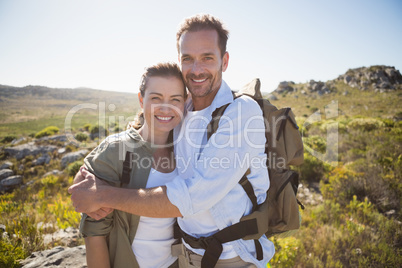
106 162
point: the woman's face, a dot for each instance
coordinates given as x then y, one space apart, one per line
163 103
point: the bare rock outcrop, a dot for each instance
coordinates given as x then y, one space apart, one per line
57 257
24 150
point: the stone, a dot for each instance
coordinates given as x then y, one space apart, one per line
390 212
317 87
62 257
66 236
284 87
6 165
16 141
5 173
24 150
11 182
54 172
62 138
61 150
272 97
42 160
73 156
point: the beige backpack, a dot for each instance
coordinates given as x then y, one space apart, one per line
279 214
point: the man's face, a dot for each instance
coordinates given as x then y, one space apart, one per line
201 63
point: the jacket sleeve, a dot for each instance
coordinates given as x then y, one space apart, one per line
104 163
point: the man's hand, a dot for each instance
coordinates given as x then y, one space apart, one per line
85 194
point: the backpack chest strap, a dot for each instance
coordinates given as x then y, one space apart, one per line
213 244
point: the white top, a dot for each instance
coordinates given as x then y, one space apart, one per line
154 237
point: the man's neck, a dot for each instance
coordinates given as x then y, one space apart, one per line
201 103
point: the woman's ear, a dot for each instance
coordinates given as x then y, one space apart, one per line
140 99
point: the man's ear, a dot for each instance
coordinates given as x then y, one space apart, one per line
225 61
141 100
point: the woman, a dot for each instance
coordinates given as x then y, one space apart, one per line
123 239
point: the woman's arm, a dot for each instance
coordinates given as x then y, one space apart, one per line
97 252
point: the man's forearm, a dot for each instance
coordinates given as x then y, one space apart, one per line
151 202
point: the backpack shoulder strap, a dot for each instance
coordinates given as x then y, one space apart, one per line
127 167
214 123
212 128
248 188
217 114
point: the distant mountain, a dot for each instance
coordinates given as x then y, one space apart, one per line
24 104
81 94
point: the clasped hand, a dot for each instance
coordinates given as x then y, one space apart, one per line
85 194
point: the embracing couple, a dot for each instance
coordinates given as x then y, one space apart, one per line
164 173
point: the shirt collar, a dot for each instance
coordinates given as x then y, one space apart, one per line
224 96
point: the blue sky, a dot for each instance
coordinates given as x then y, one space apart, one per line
106 44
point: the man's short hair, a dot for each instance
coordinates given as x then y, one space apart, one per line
204 22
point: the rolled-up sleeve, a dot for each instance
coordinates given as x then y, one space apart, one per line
102 162
238 144
92 227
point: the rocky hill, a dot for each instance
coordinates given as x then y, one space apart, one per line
378 78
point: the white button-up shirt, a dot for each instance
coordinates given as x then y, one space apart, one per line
207 191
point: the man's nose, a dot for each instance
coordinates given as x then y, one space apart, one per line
196 68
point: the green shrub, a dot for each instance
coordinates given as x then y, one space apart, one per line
8 138
70 148
48 131
10 253
87 127
98 130
388 122
74 167
313 169
333 126
286 250
81 137
342 184
365 124
316 143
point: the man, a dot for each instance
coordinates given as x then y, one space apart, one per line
207 196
